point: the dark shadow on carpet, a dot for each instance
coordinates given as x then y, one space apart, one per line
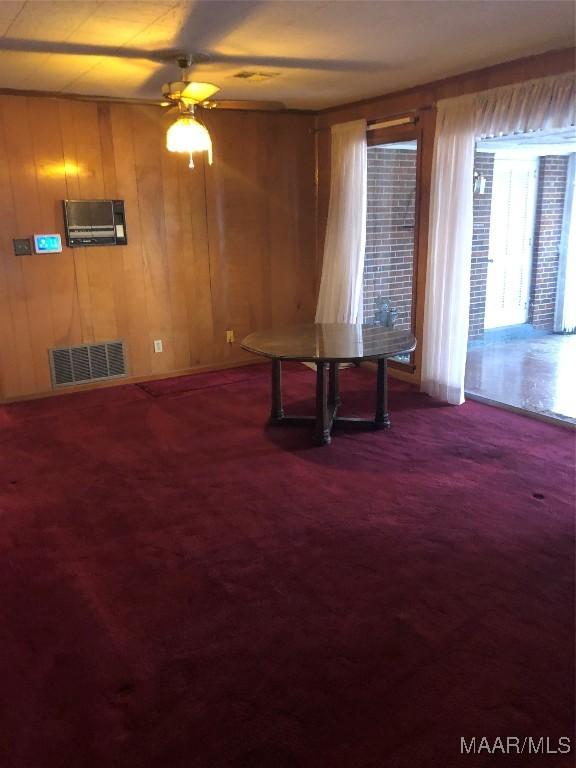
196 381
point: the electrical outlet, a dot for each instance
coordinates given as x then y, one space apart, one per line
230 336
158 345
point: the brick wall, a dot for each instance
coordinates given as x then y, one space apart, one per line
552 178
389 256
484 164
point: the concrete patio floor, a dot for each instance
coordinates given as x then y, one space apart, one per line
533 374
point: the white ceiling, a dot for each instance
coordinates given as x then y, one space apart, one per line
325 52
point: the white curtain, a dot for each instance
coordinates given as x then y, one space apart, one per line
340 297
543 104
448 276
546 103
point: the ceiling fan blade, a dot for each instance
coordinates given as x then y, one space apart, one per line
283 62
252 105
168 55
161 56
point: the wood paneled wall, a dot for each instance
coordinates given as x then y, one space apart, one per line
224 246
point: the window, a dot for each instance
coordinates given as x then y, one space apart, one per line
391 229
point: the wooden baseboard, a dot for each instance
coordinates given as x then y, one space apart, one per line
394 372
131 380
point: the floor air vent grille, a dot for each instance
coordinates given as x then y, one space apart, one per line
88 362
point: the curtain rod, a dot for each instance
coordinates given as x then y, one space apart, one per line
390 122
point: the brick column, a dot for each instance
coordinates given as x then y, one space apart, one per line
484 164
552 178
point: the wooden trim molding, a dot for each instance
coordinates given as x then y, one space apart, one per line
141 102
427 94
130 380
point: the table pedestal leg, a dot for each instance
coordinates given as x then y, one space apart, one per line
334 385
382 418
277 412
322 428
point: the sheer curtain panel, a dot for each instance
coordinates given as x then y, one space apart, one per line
531 106
448 277
535 105
340 297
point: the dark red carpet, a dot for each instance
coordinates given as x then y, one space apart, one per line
183 587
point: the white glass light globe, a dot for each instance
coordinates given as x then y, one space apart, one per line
188 135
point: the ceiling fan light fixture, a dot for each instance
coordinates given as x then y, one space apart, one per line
187 135
198 92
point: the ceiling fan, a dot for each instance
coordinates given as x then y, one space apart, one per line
206 60
188 134
186 94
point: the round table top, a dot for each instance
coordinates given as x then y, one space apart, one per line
330 342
